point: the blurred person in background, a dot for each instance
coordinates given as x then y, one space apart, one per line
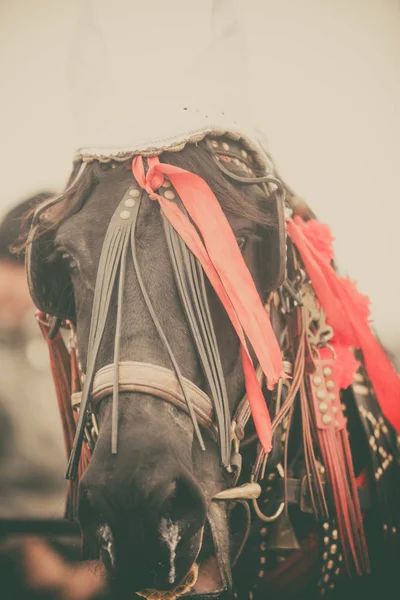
32 456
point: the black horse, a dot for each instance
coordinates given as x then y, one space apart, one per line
149 510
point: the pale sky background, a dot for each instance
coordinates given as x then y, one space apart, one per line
326 91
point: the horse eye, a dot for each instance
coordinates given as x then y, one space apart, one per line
241 241
69 261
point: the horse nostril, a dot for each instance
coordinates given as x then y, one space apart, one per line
185 505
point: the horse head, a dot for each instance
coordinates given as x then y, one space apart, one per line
146 498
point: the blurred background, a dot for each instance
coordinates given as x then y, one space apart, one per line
325 89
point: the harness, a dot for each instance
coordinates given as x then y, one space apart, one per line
308 382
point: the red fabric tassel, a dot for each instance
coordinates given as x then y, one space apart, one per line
61 371
222 261
66 380
348 318
336 454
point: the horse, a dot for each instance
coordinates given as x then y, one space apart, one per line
177 496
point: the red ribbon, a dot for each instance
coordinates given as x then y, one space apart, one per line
345 317
223 263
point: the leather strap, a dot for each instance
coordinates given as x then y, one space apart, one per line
189 277
222 595
297 493
157 381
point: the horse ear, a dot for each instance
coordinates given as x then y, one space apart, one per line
49 282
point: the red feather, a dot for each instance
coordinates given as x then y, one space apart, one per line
346 312
320 236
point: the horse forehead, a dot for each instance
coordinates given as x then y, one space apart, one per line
84 231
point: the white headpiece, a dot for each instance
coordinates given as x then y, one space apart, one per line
150 76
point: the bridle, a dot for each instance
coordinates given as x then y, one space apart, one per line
306 333
211 414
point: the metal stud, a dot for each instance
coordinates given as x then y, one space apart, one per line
237 162
330 564
263 546
325 556
225 146
331 396
333 549
326 419
169 194
263 560
326 578
130 202
166 183
263 531
394 529
243 153
330 384
317 380
124 214
326 526
337 571
340 557
134 193
323 407
261 574
332 586
321 394
326 540
327 371
361 389
214 144
335 534
334 409
113 166
385 527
